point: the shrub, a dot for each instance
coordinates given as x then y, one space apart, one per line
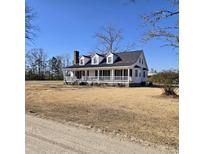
168 80
149 83
143 83
83 83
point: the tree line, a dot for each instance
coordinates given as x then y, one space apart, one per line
39 67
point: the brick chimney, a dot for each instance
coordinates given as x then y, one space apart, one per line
76 57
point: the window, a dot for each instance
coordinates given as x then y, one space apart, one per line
125 72
96 73
81 61
130 72
109 60
83 73
136 73
144 73
139 74
118 72
94 60
106 72
142 61
101 73
87 73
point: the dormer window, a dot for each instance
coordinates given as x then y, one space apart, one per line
81 62
94 60
109 60
84 60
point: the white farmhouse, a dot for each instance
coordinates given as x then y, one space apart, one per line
123 68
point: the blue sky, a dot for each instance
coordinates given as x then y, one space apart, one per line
68 25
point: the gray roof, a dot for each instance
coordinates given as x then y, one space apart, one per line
123 59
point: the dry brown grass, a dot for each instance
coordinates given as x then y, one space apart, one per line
139 112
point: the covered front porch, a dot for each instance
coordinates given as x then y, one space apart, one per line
101 75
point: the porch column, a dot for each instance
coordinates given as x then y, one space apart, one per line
98 75
74 74
85 75
112 75
123 74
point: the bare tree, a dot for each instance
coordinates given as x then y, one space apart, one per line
109 39
30 29
66 60
157 30
36 61
130 46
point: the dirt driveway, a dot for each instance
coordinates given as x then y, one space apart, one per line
46 136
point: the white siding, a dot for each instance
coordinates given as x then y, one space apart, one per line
134 78
140 79
144 64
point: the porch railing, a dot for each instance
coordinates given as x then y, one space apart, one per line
99 79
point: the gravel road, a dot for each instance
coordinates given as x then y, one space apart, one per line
49 137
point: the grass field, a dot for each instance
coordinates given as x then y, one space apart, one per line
139 112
